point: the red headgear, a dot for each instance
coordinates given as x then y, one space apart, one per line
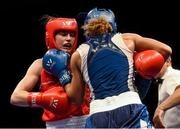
56 24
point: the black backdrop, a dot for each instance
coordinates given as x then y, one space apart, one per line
22 41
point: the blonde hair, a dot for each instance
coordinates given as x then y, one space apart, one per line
97 26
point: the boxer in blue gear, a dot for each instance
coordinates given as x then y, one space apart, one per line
105 62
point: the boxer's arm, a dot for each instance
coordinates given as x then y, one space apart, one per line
29 81
76 88
144 43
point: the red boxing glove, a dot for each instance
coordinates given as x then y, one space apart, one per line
54 100
148 63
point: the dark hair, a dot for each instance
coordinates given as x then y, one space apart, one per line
45 18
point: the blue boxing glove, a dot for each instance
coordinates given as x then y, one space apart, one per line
56 62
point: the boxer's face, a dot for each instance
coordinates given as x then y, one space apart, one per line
65 40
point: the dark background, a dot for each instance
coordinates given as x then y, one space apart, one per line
22 41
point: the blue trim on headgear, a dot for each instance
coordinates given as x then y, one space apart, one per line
100 41
106 13
105 39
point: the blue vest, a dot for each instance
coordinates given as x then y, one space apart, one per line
108 70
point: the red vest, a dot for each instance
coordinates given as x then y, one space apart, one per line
48 81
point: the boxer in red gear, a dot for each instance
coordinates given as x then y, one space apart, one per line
61 34
49 82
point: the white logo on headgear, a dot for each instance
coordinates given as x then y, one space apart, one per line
68 23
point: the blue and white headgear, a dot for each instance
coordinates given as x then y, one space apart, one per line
110 17
106 13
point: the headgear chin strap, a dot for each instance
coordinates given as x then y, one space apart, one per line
67 24
106 13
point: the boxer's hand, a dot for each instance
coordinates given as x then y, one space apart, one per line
54 100
148 63
56 62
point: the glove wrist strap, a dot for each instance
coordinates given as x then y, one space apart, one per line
65 77
32 99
